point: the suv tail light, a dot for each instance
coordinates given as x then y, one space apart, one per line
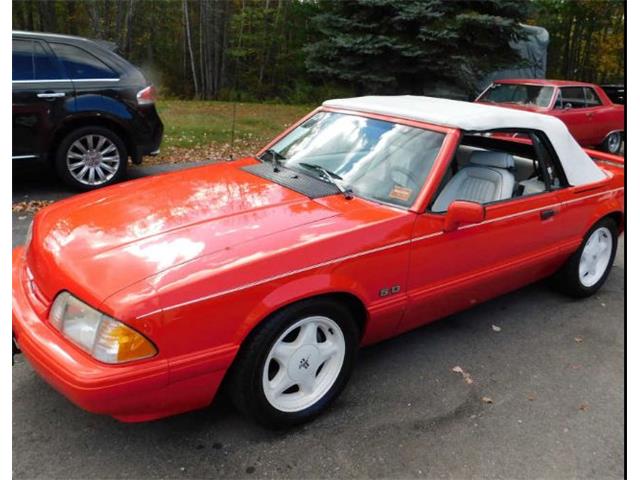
147 96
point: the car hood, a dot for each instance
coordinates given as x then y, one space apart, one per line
104 241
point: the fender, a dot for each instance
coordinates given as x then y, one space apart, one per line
321 283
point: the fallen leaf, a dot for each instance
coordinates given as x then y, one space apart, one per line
584 407
487 399
495 328
30 206
531 397
579 339
465 375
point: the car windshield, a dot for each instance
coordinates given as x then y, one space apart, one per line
520 94
374 159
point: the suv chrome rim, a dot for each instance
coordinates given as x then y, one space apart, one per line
303 364
93 159
613 142
595 256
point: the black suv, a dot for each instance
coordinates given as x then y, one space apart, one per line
82 107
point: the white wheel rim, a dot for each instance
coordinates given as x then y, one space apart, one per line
614 142
303 364
93 159
595 256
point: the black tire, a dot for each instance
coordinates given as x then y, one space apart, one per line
63 170
567 279
245 386
613 143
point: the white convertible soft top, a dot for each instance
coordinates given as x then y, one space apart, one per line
578 167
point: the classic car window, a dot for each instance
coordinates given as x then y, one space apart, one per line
572 97
377 160
591 97
498 166
517 93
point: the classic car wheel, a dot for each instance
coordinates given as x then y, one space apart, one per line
90 158
295 363
589 266
613 143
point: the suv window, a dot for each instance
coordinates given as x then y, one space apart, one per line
32 62
46 66
80 64
22 66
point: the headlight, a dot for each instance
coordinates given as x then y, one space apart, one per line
101 336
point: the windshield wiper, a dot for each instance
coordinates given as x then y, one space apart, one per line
276 158
330 177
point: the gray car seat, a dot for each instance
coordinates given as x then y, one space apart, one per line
486 178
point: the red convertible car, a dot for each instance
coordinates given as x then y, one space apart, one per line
593 119
369 217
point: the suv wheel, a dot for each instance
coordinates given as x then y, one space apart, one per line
295 364
90 158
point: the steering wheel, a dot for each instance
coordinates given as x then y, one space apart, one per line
408 175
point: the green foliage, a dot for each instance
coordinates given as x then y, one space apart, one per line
304 51
388 46
586 38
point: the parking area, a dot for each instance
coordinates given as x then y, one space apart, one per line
544 397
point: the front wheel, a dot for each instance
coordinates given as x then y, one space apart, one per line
295 364
613 143
90 158
588 268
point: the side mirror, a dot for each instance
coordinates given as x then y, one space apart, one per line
461 212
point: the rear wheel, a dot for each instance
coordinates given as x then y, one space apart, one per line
613 143
90 158
295 364
589 267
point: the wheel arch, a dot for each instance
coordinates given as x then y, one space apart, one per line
618 217
89 121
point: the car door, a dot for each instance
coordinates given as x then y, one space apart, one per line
42 96
570 108
516 244
600 117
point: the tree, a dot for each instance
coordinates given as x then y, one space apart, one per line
388 46
586 38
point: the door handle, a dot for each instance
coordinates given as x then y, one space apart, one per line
546 214
51 95
589 114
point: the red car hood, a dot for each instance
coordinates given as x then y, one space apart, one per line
107 240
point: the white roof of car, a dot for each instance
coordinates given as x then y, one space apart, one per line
578 167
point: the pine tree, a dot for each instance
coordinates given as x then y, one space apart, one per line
391 46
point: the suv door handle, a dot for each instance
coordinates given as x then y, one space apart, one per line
51 95
546 214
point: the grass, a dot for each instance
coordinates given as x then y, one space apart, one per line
204 127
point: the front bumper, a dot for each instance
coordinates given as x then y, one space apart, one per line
134 392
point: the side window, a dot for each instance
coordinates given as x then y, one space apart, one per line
491 168
22 65
80 64
46 66
573 97
558 105
592 99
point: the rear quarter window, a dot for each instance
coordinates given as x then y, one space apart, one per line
80 64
